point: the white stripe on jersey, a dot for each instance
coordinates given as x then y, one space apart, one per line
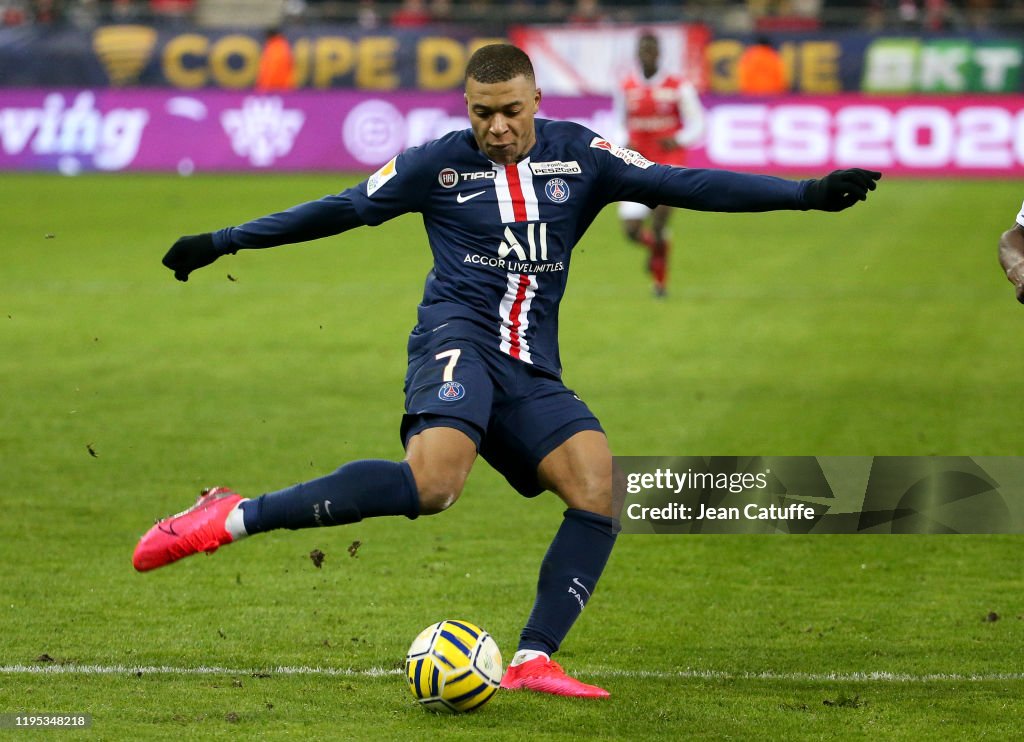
515 315
511 194
504 197
529 195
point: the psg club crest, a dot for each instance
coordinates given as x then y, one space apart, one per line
557 190
451 391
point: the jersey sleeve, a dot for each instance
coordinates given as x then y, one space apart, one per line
628 176
312 220
399 187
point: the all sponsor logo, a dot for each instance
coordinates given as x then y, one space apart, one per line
556 167
557 190
451 391
626 155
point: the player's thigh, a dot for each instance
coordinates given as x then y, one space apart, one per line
441 458
528 424
580 472
450 380
448 400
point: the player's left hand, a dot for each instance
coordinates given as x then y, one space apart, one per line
841 189
669 144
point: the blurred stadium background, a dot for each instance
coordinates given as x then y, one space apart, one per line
918 87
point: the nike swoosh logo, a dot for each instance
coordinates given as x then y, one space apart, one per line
463 199
582 586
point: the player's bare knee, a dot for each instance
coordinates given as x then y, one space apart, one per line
592 493
437 494
437 502
440 460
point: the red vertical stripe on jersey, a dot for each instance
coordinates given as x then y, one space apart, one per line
515 189
517 308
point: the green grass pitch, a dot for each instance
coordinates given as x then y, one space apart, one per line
885 330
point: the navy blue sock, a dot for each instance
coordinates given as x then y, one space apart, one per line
360 489
568 576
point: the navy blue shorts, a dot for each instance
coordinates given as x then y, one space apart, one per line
514 413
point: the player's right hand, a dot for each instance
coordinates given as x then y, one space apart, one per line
190 253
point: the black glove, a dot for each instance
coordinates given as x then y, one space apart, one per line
841 189
190 253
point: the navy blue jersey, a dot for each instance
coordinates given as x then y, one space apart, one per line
502 235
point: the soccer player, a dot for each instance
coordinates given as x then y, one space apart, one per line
1011 254
663 116
503 204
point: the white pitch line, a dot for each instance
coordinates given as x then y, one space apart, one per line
72 669
816 677
376 672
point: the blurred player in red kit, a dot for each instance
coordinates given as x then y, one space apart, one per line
663 116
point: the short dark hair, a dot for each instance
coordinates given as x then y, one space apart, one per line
499 63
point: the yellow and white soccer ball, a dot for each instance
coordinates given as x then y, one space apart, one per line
453 666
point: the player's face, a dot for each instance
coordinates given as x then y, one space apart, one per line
647 53
501 115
